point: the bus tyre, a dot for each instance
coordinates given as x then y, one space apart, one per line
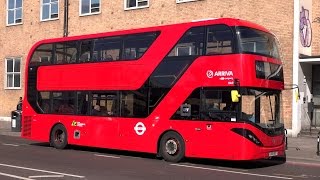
172 147
58 137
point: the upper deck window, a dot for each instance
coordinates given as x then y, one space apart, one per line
14 12
219 40
49 10
191 44
257 42
88 7
126 47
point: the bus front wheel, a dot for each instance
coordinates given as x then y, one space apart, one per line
172 147
58 137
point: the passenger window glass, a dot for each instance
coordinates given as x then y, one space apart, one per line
190 108
42 55
85 51
44 102
219 40
104 104
108 49
134 103
136 45
82 103
66 52
191 44
63 102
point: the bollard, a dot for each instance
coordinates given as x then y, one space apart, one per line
286 138
318 151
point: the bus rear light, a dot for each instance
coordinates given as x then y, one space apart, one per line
248 135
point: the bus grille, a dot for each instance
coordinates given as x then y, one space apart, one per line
26 129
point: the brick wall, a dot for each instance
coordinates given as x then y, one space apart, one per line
17 40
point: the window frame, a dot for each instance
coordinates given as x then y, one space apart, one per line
90 9
13 73
50 4
185 1
15 12
137 6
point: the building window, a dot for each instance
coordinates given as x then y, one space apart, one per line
135 4
88 7
183 1
13 73
14 12
49 10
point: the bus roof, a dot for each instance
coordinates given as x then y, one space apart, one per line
185 25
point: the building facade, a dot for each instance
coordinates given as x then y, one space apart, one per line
25 22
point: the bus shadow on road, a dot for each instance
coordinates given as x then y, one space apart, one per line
208 162
254 164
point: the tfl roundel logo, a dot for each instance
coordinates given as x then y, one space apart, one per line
140 128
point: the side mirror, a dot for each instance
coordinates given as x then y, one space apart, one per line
235 95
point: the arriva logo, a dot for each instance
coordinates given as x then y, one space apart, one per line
223 73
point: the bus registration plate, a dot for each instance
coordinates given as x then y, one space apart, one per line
275 153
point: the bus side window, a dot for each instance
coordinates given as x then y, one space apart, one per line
85 52
107 49
42 55
136 45
191 44
190 108
219 40
66 52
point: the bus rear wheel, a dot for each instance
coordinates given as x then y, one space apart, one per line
172 147
58 137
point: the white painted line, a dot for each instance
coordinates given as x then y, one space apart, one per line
303 163
40 170
301 176
225 168
301 158
14 176
47 176
115 157
10 144
228 171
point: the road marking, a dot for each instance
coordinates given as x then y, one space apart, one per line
295 176
40 170
5 144
303 163
229 171
101 155
14 176
301 158
47 176
226 168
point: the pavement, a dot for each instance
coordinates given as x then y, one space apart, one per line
302 149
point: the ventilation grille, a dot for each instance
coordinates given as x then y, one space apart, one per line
26 129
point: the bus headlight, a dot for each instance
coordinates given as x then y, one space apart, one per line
248 135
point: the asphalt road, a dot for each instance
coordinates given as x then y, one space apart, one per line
22 159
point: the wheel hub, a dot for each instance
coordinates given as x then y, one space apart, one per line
59 136
171 147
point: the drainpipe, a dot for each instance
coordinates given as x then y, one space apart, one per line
66 18
296 121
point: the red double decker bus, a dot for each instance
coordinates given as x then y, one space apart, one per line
207 89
